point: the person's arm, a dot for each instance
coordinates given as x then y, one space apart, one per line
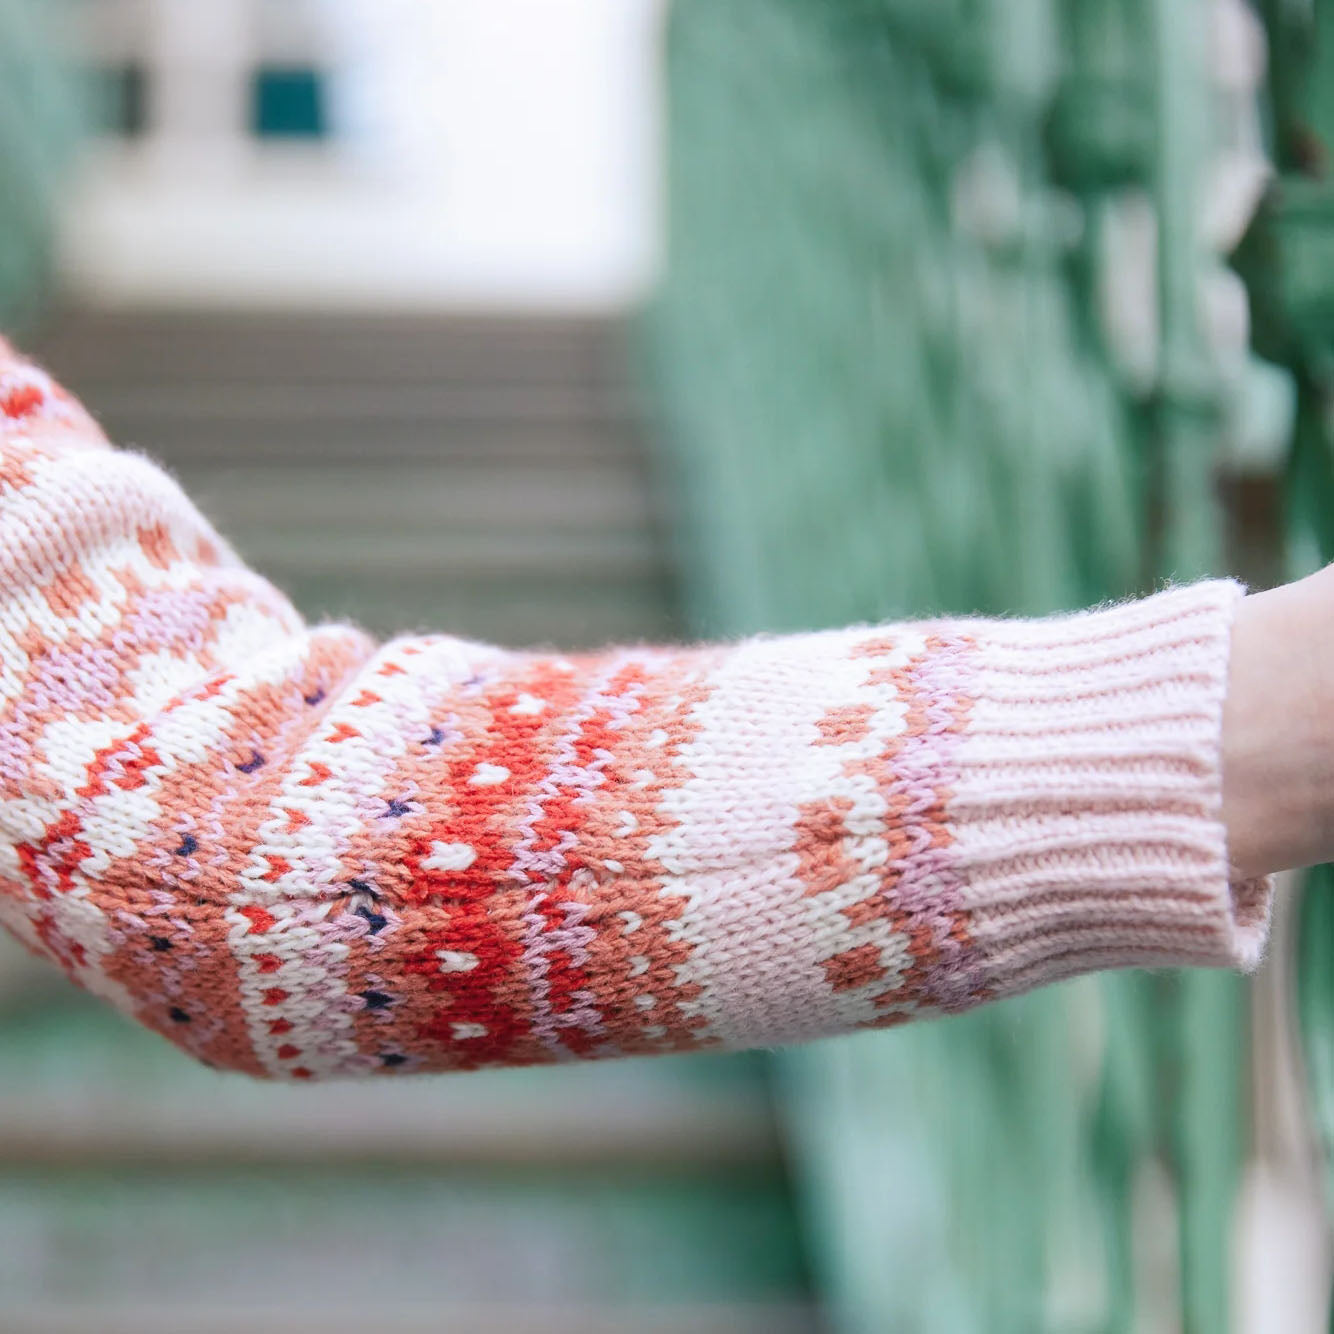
300 854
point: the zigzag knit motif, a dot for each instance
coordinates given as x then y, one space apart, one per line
300 854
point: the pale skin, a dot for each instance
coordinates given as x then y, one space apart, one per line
1278 751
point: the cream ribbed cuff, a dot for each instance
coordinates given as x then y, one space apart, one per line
1087 812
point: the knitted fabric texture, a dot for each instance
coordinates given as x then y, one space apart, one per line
300 854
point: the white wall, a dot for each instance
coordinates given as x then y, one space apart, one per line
499 153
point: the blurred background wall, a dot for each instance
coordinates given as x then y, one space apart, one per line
378 152
564 321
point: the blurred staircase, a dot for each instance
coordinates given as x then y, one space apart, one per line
485 477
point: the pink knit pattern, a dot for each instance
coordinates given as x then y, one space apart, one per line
300 854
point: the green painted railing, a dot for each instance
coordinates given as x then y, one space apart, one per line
891 384
40 114
1289 265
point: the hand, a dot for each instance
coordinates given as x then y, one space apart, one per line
1278 729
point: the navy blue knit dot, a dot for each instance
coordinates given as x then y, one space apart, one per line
436 737
316 698
396 809
188 845
376 1000
160 943
178 1016
392 1059
256 761
374 920
363 887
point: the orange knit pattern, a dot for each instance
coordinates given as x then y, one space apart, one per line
300 854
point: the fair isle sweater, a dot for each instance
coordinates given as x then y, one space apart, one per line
301 854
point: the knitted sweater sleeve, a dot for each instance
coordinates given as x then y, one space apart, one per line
301 854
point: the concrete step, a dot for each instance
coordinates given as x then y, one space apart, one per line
324 349
389 1318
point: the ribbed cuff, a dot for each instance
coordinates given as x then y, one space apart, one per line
1086 815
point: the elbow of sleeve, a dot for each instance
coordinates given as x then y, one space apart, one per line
243 990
